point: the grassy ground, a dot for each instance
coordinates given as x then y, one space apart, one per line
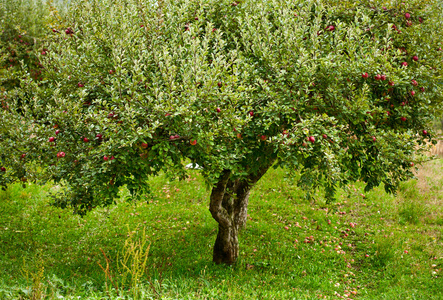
363 246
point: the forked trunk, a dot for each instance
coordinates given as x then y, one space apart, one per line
228 206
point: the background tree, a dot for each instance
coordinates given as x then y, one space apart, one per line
332 92
24 27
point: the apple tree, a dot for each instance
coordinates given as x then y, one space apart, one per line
333 91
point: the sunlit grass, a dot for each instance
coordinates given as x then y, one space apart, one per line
363 246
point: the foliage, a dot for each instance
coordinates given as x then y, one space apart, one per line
133 88
23 30
22 26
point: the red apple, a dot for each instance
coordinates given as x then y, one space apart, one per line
263 137
311 139
414 82
3 169
373 138
112 158
219 84
365 75
193 142
422 89
80 84
99 136
404 64
251 113
403 119
407 15
402 104
425 132
330 28
412 93
415 58
61 154
383 77
144 145
105 158
218 109
420 20
111 72
43 53
411 164
57 132
239 136
325 136
377 77
51 139
85 140
214 29
391 83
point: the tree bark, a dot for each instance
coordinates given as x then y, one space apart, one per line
226 245
228 206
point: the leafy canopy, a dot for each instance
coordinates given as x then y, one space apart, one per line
133 88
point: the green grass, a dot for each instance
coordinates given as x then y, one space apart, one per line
49 250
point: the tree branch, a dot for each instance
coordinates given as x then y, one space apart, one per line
215 206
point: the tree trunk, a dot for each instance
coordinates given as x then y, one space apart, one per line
226 245
228 206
